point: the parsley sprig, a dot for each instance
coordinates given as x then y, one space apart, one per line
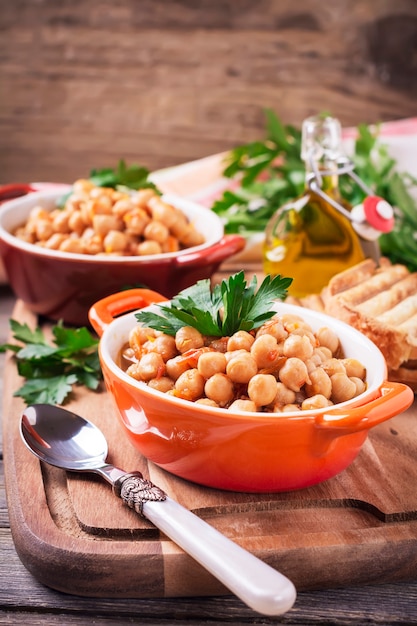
230 306
52 369
123 177
132 176
270 172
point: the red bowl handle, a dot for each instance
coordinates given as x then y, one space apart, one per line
103 312
14 190
394 398
218 252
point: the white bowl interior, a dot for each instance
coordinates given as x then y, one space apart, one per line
354 345
15 212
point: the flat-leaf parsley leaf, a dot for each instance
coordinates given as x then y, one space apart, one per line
51 369
229 307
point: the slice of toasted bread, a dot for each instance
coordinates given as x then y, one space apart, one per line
380 301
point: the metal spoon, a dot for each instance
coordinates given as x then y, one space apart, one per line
66 440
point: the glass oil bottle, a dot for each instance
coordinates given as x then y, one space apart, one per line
317 235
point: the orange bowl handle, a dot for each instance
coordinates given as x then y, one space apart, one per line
394 398
103 312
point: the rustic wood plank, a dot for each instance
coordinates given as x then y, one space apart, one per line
162 83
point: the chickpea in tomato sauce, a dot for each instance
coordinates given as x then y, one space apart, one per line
282 366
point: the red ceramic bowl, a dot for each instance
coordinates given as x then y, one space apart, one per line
253 452
63 286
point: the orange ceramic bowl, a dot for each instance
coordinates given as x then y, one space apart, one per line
64 286
253 452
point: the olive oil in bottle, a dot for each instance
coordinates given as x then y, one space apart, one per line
308 238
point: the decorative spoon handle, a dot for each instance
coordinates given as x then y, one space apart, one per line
257 584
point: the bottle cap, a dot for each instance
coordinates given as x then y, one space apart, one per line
373 217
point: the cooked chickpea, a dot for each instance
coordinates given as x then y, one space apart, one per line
233 354
219 388
179 226
273 327
171 244
148 247
354 367
284 395
294 322
176 366
38 213
334 366
188 338
189 236
310 365
294 373
242 368
162 211
298 346
290 408
133 371
265 351
136 221
115 241
315 402
123 206
165 346
140 334
156 231
313 362
320 383
82 186
219 344
343 388
72 245
142 197
150 366
241 405
163 384
207 402
210 363
103 224
44 229
54 241
60 222
323 353
190 385
241 340
262 389
75 202
76 222
328 338
93 245
360 384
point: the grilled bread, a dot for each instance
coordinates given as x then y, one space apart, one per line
380 301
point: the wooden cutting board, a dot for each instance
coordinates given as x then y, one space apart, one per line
74 535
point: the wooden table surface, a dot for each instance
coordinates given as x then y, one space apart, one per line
24 600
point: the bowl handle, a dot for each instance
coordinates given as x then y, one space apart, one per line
14 190
218 252
394 398
103 312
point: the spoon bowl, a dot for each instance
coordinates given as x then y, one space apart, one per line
68 441
63 439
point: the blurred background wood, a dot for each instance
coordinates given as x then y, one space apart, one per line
87 82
